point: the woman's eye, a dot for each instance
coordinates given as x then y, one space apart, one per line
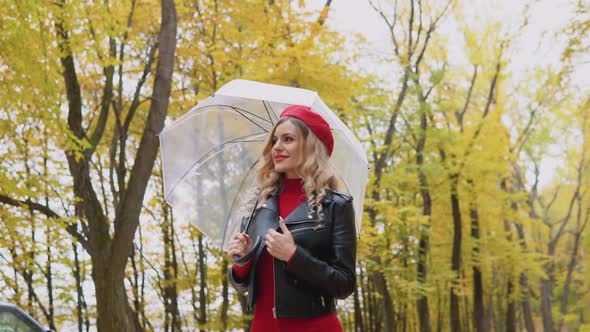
288 139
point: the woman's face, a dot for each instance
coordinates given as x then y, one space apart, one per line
286 149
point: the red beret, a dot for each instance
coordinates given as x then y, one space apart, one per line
315 122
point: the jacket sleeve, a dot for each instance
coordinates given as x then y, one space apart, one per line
241 284
335 277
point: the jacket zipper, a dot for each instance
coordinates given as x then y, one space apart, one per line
300 221
274 308
315 228
274 285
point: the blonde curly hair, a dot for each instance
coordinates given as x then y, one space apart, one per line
314 167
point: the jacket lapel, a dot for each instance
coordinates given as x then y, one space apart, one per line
272 203
301 213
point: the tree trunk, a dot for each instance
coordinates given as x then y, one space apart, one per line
110 245
134 283
573 259
224 292
358 320
386 304
80 302
170 292
28 271
510 322
498 316
366 307
480 321
523 280
467 314
49 235
377 278
49 277
374 313
456 258
490 311
546 293
202 285
440 306
510 308
111 301
526 304
110 255
422 302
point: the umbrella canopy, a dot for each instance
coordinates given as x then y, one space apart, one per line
209 154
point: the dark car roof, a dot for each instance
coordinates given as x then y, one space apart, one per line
25 317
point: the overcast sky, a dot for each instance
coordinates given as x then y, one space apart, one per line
539 44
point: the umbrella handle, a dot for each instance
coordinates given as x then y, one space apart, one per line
244 259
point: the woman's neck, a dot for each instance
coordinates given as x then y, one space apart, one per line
294 184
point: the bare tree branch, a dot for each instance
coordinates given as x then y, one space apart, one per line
45 210
146 71
126 223
324 13
71 80
460 115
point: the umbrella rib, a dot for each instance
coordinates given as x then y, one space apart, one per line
199 110
266 107
245 141
245 111
239 111
233 203
209 154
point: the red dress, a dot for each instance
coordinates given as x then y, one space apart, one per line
290 197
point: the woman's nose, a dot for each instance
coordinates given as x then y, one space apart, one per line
277 146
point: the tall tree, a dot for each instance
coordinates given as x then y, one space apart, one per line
109 245
411 28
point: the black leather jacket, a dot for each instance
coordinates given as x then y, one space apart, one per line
323 267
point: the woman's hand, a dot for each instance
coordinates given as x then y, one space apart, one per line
280 246
239 244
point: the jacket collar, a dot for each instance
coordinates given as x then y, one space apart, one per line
301 212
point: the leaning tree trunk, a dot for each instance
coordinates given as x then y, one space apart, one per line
386 303
109 254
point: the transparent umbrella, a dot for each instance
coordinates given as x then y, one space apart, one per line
209 155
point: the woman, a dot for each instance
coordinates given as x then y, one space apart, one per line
308 256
